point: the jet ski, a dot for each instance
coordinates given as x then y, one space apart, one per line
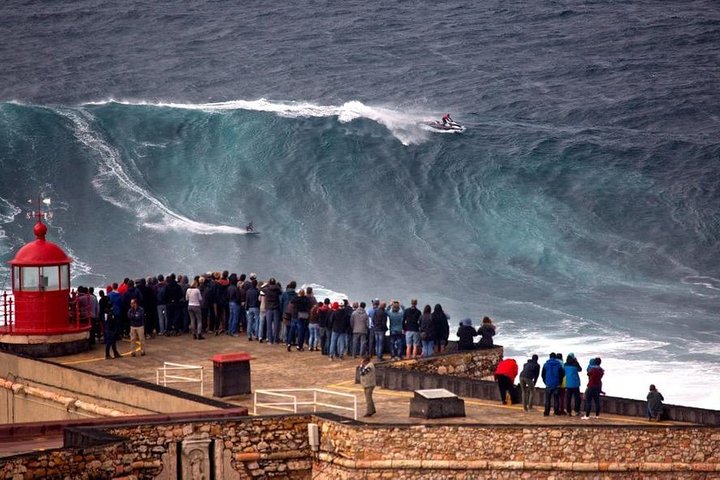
445 127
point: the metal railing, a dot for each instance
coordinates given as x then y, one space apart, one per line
179 368
291 403
7 311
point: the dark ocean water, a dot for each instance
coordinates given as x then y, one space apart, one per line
581 208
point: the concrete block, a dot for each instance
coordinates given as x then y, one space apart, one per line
436 403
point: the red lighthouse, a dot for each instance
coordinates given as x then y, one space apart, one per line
43 323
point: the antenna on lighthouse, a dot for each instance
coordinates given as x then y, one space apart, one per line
39 214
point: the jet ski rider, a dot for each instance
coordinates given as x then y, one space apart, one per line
446 120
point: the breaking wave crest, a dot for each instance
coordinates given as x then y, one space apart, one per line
407 126
118 185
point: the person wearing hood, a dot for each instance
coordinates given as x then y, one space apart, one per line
528 379
505 374
572 384
552 374
466 335
594 387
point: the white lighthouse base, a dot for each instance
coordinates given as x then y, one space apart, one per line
45 345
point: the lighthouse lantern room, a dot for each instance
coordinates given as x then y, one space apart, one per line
43 323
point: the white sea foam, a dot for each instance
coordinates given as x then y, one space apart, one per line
321 293
407 126
710 283
8 211
682 383
117 184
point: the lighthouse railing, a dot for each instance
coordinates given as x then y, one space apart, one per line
7 310
43 313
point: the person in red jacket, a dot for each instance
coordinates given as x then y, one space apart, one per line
505 374
594 387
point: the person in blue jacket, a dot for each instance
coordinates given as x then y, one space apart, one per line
552 374
572 384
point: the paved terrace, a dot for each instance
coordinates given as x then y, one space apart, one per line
273 367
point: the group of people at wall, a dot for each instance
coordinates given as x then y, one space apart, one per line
223 302
562 385
466 334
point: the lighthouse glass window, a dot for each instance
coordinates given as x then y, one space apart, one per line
30 278
50 278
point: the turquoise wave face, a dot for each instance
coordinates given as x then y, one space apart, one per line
590 223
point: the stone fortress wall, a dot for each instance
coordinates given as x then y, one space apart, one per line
280 447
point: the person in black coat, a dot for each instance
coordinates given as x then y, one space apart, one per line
111 326
528 379
442 328
339 324
486 332
466 334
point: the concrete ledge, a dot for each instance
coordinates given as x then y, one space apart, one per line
34 346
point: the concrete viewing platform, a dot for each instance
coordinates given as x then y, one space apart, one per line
273 367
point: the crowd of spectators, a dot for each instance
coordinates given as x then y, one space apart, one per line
224 303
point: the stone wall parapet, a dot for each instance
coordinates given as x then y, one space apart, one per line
477 364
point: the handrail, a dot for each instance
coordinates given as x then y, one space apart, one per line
8 313
279 392
176 367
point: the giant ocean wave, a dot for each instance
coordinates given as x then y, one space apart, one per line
576 238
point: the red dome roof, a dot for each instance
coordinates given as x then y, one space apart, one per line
40 252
